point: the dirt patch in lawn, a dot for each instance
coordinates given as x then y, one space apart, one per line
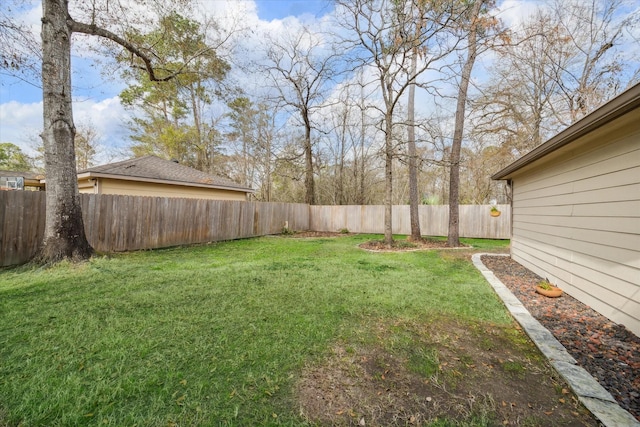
413 374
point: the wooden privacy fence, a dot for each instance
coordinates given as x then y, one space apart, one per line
121 223
21 225
475 220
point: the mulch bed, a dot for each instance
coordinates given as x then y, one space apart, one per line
608 351
406 245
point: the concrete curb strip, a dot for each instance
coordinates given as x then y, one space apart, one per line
592 395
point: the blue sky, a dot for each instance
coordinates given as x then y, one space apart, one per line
278 9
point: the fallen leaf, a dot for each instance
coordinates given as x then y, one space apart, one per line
362 423
429 399
548 413
340 412
274 415
183 382
180 400
575 414
561 400
504 403
565 391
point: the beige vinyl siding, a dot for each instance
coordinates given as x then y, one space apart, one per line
137 188
86 186
576 219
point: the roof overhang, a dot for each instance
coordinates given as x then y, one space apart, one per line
617 107
90 175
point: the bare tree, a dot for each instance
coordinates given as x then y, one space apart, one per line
414 201
565 61
301 66
516 107
383 34
476 24
592 72
20 52
85 144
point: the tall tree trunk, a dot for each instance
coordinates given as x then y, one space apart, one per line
309 197
268 169
453 238
343 136
413 166
388 179
200 145
64 235
363 130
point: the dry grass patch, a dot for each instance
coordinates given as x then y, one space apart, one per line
437 374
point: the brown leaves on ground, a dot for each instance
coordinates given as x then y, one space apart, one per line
419 373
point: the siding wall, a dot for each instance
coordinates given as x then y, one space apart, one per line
576 219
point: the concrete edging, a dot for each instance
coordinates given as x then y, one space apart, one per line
592 395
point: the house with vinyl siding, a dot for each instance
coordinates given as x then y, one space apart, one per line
156 177
576 209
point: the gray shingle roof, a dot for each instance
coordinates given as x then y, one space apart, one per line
155 168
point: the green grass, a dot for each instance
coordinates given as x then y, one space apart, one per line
209 335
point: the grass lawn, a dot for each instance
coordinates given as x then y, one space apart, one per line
228 333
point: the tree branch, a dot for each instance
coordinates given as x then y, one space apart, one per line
94 30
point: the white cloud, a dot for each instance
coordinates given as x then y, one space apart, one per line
514 13
22 123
